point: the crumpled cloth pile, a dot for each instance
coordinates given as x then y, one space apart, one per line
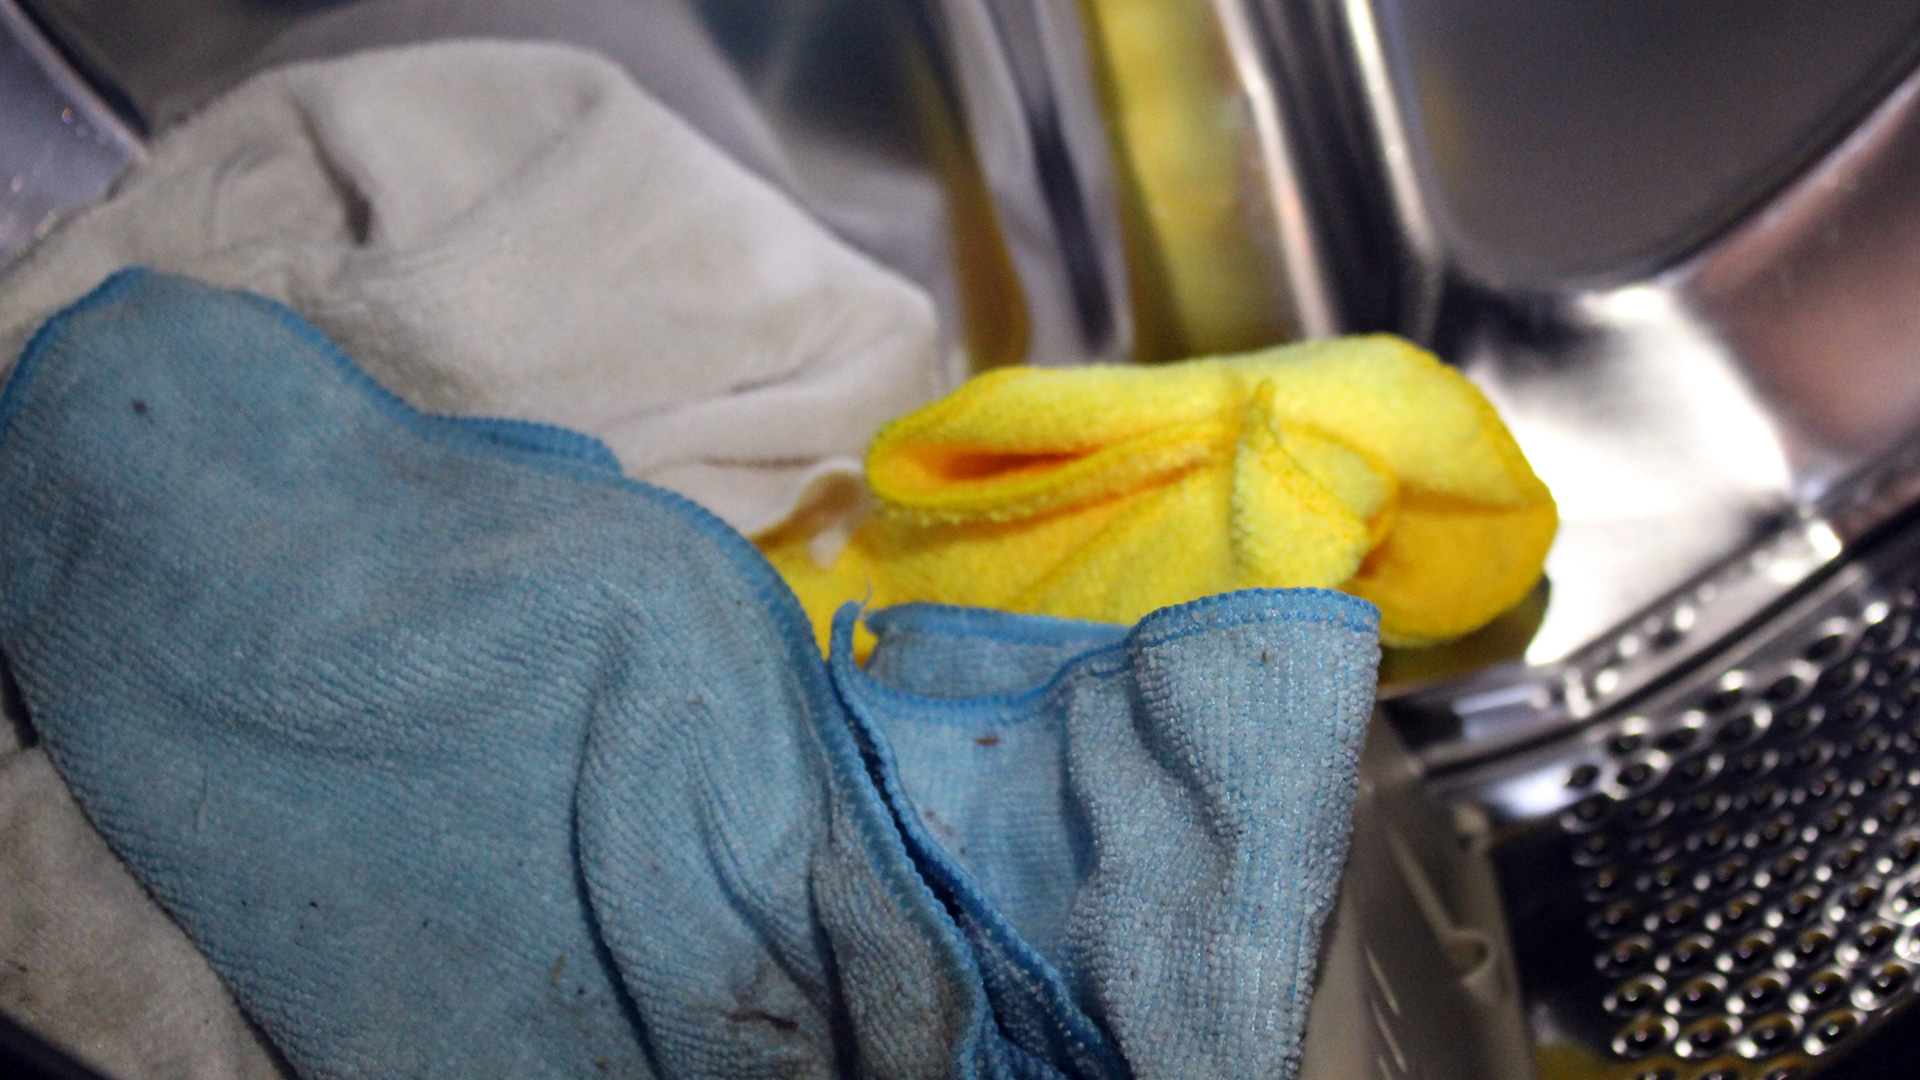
495 229
450 748
458 753
1363 464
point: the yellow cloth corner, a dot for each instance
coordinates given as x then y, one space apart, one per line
1107 492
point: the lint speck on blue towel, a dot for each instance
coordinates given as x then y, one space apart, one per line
459 754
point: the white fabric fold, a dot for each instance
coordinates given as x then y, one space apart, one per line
516 229
89 961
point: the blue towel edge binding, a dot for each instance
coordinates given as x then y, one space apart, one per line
948 874
1327 607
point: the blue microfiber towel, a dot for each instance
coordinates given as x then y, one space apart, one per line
459 754
1161 813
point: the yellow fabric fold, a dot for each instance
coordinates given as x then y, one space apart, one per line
1107 492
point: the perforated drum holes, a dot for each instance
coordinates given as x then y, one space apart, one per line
1869 942
1627 956
1740 729
1801 720
1883 982
1706 1037
1842 677
1809 948
1738 913
1830 1030
1605 882
1644 1035
1886 635
1635 995
1700 994
1684 737
1677 915
1790 684
1702 807
1750 857
1747 952
1900 854
1687 956
1903 902
1759 994
1769 1036
1636 775
1830 642
1697 769
1822 990
1620 917
1731 691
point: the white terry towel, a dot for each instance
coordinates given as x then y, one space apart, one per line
516 229
89 961
492 229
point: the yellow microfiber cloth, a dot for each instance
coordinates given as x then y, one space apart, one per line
1106 492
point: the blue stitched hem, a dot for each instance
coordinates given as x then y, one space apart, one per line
972 622
946 875
1285 604
542 438
1106 652
1330 607
13 395
1011 707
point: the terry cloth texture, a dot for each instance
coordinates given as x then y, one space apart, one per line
90 962
1106 492
460 754
516 229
